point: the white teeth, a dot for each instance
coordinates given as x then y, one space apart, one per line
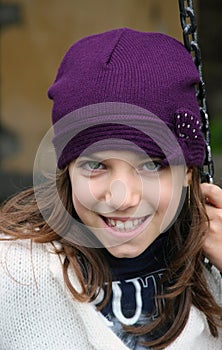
126 225
112 222
129 225
135 222
119 224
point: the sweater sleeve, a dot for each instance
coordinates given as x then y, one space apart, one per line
214 279
36 312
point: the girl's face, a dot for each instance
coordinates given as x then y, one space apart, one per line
125 198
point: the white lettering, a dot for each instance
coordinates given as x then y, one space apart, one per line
116 303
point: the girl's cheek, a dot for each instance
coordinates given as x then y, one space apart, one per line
86 192
151 191
158 192
81 193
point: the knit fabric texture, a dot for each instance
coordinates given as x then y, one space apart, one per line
150 71
38 313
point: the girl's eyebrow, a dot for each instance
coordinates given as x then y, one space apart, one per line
95 157
92 157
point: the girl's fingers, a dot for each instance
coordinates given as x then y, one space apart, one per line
212 194
213 241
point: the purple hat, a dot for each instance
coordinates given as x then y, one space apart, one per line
126 85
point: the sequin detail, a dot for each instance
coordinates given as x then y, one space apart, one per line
188 125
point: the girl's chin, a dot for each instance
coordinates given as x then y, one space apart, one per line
126 250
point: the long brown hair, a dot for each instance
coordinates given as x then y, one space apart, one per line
21 219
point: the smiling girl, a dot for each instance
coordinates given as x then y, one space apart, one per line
122 247
128 196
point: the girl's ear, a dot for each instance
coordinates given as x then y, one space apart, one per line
188 177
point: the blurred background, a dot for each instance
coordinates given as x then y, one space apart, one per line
34 35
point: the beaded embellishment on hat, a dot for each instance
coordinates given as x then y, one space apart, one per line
188 125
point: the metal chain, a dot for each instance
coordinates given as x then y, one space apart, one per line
190 37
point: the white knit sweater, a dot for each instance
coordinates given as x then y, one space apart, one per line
38 313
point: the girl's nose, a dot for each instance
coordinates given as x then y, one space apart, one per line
123 194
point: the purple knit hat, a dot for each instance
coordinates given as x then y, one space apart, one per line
126 85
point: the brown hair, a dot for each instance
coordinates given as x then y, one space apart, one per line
21 219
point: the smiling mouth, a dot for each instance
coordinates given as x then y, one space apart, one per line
123 225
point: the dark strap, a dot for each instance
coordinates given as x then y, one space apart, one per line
190 37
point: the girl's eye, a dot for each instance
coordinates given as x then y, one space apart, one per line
93 165
152 166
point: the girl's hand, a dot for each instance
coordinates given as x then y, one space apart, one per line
213 242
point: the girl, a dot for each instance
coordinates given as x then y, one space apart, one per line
122 247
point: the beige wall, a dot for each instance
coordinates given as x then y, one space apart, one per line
32 51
